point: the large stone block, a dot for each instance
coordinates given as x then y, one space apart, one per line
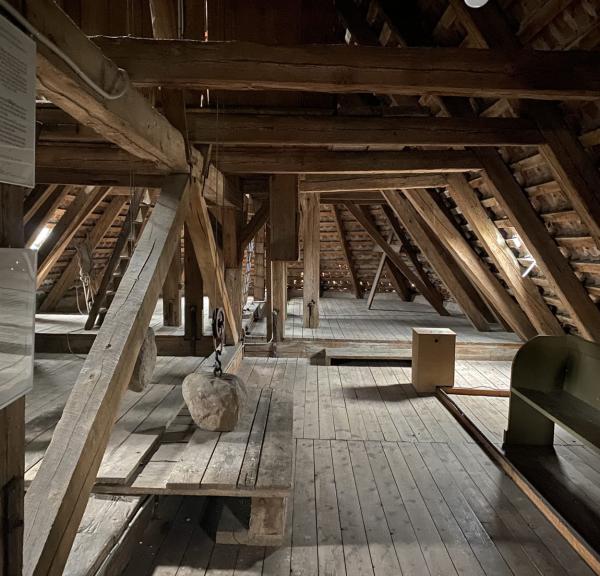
215 403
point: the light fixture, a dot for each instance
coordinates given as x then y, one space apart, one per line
476 3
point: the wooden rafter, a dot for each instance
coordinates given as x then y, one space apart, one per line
392 132
357 69
410 252
40 218
85 202
455 280
571 165
93 238
339 224
526 292
362 217
463 253
514 202
58 495
36 199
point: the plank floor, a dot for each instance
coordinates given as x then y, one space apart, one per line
346 318
342 318
385 483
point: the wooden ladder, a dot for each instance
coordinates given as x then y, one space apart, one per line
119 261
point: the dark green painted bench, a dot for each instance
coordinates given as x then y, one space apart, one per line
554 380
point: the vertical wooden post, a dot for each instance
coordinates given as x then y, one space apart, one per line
172 294
283 200
259 265
12 418
268 284
232 226
279 297
194 292
311 220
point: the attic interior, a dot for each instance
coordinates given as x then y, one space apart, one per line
303 287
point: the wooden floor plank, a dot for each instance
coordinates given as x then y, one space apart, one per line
354 537
329 533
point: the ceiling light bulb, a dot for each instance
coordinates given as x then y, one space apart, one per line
476 3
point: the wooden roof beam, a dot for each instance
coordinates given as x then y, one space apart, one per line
573 168
410 251
392 132
526 292
367 223
85 202
463 253
372 184
354 69
93 238
346 251
308 161
452 276
129 121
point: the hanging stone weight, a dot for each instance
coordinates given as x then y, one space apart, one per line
146 362
215 402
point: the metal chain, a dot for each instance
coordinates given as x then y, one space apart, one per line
218 334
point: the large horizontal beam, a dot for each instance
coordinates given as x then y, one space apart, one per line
103 165
309 161
350 69
391 132
129 121
372 184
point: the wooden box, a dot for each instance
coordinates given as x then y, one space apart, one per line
433 355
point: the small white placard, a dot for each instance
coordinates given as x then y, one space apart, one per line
17 322
17 106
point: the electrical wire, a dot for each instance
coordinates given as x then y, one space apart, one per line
66 59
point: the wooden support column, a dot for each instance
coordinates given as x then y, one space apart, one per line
232 225
71 272
171 292
268 284
456 282
164 25
526 292
259 265
339 224
463 253
279 297
283 199
59 493
311 226
12 418
369 225
193 291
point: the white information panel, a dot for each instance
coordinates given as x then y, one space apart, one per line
17 106
17 318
